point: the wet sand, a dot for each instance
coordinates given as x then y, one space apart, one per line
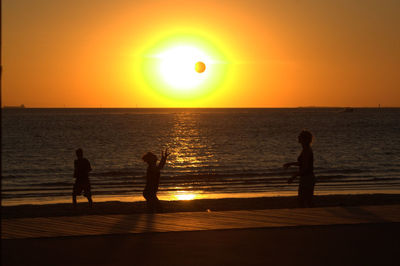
117 207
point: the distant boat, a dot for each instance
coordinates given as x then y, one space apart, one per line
348 110
14 107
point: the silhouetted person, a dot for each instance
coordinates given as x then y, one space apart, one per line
153 179
81 173
305 162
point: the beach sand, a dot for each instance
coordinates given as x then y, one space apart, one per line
375 243
117 207
366 244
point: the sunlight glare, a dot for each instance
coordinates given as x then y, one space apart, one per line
169 68
177 67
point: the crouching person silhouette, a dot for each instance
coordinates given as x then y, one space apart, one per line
153 180
81 174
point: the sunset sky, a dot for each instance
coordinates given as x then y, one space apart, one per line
124 53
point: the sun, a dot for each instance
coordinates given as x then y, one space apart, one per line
182 67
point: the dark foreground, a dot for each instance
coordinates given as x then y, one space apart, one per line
363 244
373 243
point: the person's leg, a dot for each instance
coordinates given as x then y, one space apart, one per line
89 197
88 194
157 203
74 199
149 201
309 196
90 201
300 197
147 196
74 195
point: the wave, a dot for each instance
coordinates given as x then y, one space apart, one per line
117 173
125 178
219 182
189 173
202 189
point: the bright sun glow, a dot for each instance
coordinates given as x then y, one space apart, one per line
178 67
182 68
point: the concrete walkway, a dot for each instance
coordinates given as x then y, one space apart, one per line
95 225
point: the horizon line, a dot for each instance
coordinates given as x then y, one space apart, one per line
263 107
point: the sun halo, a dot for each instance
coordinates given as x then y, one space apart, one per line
169 67
178 67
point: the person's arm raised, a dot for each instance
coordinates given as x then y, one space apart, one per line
163 160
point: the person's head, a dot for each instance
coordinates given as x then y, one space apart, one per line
79 153
150 158
305 138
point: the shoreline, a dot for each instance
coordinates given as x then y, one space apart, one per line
196 205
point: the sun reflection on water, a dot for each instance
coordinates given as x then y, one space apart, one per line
189 145
185 196
191 156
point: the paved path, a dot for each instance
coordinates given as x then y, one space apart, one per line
92 225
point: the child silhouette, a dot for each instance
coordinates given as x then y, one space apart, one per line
153 179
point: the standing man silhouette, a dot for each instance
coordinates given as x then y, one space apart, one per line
81 174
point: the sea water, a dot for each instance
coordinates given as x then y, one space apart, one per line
215 153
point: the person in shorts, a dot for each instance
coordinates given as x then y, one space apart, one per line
81 174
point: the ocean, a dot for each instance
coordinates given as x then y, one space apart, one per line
215 153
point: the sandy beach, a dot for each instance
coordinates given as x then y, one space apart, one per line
367 243
201 205
372 244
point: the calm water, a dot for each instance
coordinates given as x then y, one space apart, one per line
215 152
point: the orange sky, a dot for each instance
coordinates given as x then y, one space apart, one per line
279 53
